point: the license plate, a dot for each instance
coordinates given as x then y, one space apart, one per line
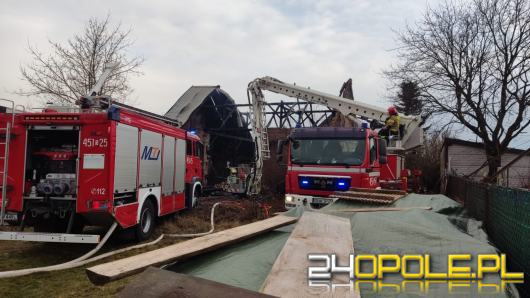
11 216
321 201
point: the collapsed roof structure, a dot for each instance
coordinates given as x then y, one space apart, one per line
213 115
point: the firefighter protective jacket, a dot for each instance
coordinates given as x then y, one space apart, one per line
392 123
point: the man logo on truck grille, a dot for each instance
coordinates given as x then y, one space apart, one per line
150 153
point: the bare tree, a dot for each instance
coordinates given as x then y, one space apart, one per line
73 68
471 60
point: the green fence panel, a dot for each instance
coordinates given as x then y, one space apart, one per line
476 201
509 224
505 213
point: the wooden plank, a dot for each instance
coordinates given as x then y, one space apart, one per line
371 196
314 233
103 273
375 195
154 283
380 209
380 191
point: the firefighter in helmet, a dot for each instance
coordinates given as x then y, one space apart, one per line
391 123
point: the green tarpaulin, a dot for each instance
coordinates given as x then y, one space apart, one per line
438 232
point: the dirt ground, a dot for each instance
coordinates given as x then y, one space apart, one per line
74 283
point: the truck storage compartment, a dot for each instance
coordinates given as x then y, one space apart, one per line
51 162
50 189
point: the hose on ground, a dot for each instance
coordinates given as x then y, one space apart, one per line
212 224
67 265
85 259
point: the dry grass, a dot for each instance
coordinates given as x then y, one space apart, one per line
74 283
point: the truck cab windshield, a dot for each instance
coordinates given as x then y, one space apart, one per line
328 151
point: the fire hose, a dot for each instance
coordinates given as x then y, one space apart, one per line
86 258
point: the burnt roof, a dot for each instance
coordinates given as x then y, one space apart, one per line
328 132
192 99
213 114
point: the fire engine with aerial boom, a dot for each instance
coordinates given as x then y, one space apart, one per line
323 161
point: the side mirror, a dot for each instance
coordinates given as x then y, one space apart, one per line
279 150
382 152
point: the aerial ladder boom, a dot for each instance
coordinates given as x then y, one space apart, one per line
355 110
412 136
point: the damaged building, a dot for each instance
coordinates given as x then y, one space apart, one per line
223 127
212 114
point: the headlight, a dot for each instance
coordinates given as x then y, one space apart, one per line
288 198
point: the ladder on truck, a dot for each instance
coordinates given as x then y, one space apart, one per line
259 129
356 111
4 158
265 150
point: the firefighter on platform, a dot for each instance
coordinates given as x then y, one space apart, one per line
391 124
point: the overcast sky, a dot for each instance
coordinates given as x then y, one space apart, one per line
227 43
318 43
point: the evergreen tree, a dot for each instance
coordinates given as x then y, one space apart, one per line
408 100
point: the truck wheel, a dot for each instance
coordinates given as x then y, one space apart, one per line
146 223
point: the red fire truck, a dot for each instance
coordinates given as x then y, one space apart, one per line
94 165
325 160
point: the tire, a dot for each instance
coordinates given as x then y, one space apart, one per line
146 224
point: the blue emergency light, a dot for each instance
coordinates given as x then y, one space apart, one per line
342 184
